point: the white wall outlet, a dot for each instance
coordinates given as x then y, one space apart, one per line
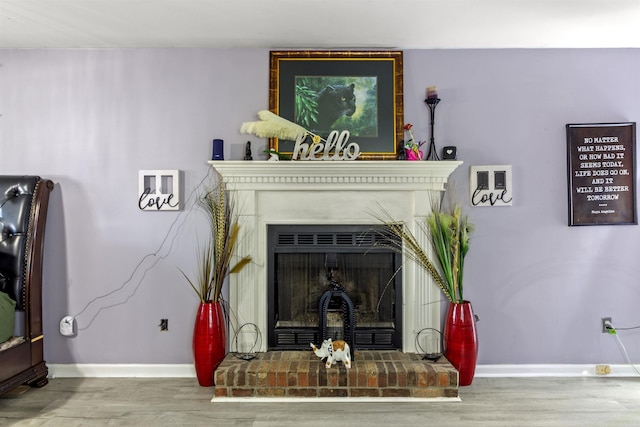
67 326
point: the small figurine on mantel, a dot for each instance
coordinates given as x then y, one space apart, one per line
247 151
402 154
334 351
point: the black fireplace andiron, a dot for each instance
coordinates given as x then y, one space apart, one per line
348 316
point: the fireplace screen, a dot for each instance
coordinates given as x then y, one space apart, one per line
307 261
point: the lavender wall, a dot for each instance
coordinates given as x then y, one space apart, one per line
90 119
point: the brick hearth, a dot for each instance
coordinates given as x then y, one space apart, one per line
302 374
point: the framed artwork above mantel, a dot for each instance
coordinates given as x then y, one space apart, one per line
357 91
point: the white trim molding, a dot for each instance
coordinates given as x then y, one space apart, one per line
125 370
188 371
564 370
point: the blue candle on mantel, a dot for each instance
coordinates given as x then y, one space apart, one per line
432 92
218 149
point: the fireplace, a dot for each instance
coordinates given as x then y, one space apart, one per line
309 262
336 194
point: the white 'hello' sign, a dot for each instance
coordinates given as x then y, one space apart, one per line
336 147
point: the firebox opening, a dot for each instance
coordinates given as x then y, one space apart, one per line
307 260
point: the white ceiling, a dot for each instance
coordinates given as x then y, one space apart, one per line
401 24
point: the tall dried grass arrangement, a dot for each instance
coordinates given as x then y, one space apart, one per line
216 255
449 232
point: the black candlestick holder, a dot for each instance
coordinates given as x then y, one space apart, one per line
432 153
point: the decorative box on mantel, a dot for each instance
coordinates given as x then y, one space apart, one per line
329 192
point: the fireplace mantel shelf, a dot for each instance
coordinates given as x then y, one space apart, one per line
358 173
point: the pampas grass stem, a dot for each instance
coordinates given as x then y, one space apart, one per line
216 255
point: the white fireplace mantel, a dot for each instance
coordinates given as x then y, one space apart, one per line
359 175
329 192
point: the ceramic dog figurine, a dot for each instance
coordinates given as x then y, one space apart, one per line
334 351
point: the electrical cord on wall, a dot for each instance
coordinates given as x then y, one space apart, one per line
628 329
166 245
613 331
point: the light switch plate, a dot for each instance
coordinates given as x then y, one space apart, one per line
159 190
490 185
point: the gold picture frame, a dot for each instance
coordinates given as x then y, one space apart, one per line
363 88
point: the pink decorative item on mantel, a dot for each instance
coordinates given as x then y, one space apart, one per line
412 155
411 146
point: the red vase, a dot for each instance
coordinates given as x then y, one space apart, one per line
461 340
209 341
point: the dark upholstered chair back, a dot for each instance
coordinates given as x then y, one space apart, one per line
24 201
20 235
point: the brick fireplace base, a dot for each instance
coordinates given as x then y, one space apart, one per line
302 374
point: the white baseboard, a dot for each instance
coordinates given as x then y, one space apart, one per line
121 371
188 371
497 371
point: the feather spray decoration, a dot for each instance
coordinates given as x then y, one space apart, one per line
274 126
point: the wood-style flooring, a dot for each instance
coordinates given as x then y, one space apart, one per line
512 402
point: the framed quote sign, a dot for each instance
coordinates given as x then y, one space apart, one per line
601 173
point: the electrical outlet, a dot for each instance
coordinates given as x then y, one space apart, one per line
67 326
605 328
603 369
